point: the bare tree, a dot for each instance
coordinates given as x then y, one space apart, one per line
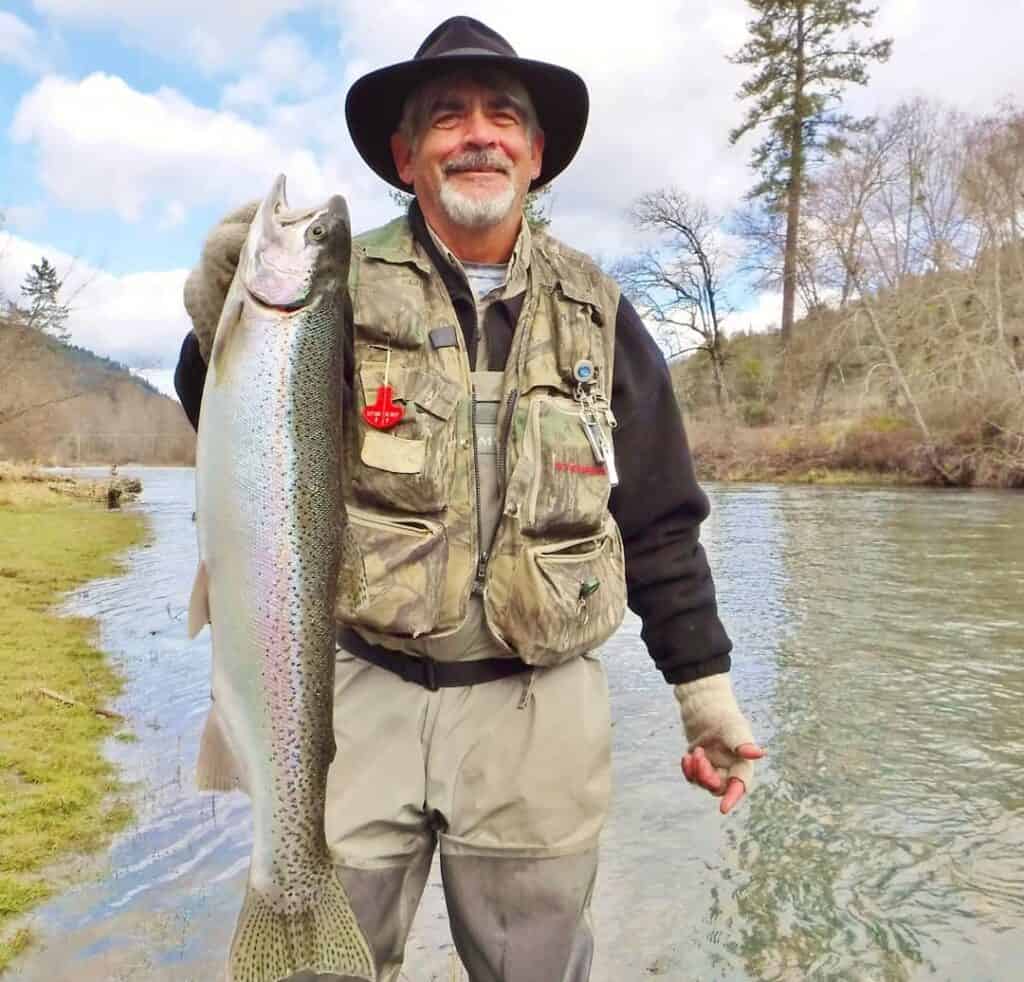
994 193
676 284
920 216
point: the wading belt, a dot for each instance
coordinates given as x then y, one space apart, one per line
427 672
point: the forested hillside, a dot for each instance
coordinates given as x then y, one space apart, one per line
60 404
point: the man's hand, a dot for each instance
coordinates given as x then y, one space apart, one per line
721 747
207 284
698 769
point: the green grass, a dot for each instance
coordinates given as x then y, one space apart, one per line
58 794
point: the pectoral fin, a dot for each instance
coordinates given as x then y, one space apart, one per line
199 602
230 318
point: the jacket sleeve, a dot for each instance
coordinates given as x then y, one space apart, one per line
190 377
659 506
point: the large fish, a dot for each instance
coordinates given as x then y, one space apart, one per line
270 520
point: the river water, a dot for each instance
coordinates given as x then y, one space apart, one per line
879 639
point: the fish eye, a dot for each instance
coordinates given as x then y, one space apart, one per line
318 231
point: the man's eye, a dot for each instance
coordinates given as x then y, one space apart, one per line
507 119
446 121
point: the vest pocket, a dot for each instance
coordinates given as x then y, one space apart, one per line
552 601
410 466
557 485
405 561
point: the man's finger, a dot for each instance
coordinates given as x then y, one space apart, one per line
707 775
750 751
733 793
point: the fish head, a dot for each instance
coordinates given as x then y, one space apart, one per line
293 256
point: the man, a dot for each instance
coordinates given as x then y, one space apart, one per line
516 464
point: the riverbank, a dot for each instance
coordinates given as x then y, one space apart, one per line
59 796
859 617
868 451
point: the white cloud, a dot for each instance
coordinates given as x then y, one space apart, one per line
103 145
661 90
19 44
284 68
662 99
22 216
966 55
763 314
138 318
212 34
174 215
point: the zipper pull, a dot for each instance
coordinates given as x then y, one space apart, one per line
592 431
609 462
481 574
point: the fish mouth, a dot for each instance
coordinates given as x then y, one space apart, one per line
281 308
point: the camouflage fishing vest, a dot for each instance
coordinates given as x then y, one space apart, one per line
551 583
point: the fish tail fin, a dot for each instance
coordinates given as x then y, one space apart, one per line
270 944
217 767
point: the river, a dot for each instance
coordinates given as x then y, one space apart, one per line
878 639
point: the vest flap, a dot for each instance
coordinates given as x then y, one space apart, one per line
582 292
389 453
429 391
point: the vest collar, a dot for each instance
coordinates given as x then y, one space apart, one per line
398 244
408 239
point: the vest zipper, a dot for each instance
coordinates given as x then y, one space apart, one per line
481 562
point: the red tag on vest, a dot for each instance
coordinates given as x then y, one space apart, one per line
383 414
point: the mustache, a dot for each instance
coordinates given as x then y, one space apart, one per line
478 160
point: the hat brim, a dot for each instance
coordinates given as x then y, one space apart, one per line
373 107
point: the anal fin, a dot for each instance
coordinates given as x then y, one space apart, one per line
199 602
217 767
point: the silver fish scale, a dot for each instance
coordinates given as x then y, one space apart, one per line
300 688
280 447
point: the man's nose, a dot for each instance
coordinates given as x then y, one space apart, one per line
479 130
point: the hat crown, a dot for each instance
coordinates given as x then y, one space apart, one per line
373 106
463 35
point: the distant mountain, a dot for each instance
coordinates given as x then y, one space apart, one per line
62 404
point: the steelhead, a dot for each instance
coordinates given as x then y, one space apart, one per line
270 521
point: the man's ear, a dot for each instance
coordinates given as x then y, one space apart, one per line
537 154
401 153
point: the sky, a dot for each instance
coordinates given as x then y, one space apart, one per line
127 129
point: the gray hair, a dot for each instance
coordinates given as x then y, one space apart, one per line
419 104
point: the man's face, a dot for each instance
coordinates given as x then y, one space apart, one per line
474 157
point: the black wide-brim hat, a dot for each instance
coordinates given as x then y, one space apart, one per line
374 104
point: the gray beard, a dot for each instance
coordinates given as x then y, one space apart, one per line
476 212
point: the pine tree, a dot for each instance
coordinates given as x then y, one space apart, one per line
803 57
42 309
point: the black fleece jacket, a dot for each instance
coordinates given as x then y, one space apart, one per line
658 504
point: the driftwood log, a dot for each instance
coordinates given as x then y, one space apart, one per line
68 701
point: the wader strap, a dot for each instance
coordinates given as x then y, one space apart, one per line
427 672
